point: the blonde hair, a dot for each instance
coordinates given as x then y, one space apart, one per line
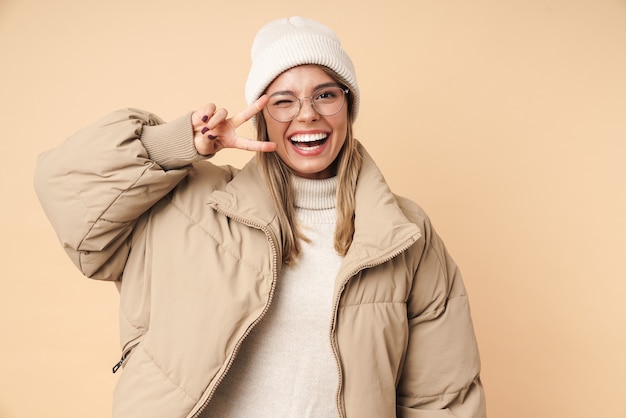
278 178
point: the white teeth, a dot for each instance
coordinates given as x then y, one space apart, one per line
308 137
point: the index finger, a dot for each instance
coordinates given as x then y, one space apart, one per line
249 112
251 145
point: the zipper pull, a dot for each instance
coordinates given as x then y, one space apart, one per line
118 365
125 355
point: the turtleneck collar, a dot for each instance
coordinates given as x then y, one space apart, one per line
316 200
315 194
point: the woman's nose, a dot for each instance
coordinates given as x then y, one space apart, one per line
307 111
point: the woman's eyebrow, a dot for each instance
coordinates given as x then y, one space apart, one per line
329 84
319 86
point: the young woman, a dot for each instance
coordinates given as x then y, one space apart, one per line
298 286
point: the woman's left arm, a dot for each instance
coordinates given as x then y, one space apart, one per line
441 374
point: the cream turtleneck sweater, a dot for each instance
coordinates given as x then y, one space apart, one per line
286 366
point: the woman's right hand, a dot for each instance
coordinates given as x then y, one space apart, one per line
214 130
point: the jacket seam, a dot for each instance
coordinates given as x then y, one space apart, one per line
347 305
101 216
439 310
167 376
442 394
221 244
442 263
141 329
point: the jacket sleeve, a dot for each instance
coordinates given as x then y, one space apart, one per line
441 372
97 184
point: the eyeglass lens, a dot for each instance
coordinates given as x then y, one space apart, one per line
327 101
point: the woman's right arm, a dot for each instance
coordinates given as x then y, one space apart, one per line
96 185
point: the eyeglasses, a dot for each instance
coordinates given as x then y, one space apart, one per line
327 101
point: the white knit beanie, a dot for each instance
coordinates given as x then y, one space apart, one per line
287 43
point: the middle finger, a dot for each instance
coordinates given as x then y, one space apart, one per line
218 117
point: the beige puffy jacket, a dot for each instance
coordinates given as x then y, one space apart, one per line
195 250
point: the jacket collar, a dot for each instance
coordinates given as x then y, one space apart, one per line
381 228
246 196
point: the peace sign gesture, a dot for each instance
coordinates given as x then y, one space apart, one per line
214 130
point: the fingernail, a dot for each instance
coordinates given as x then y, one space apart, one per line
212 137
205 118
205 130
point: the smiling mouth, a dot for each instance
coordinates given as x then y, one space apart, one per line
309 141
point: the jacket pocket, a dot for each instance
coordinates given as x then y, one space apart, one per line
126 353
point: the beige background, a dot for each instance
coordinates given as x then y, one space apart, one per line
504 119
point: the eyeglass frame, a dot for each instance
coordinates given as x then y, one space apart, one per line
345 90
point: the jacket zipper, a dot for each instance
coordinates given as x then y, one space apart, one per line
333 337
272 243
126 353
271 240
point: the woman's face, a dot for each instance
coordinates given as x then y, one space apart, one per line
310 143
